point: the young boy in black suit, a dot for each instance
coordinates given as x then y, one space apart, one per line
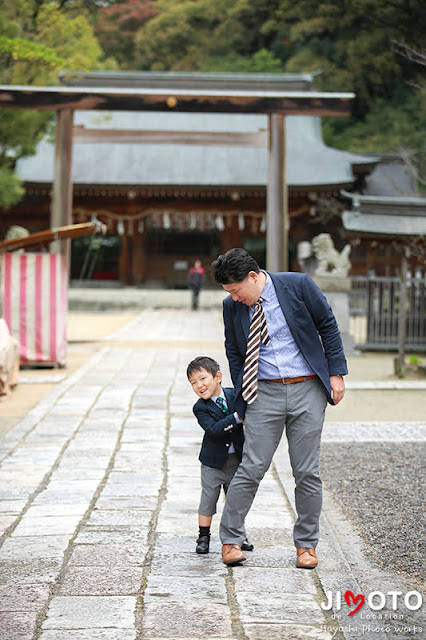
221 450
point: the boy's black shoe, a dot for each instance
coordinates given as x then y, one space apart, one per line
247 546
203 544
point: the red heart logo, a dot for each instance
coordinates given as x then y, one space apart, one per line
360 599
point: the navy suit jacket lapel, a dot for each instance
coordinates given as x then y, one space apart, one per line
215 407
244 317
228 401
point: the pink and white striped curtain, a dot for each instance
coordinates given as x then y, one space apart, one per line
35 305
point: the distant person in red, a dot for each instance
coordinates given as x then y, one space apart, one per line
196 279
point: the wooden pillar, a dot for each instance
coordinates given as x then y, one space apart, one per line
61 204
371 265
123 265
138 258
231 234
277 197
402 320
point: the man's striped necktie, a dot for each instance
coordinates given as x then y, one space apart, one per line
258 331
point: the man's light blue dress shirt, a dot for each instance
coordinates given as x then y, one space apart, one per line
282 358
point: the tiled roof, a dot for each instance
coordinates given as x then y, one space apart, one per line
309 161
384 216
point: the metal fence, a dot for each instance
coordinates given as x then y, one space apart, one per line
374 304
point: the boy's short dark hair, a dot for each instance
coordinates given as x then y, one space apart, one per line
202 362
234 266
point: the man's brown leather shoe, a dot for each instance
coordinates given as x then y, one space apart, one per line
232 554
306 558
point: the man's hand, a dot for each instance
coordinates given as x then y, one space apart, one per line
337 385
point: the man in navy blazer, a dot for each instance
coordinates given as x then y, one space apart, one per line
299 369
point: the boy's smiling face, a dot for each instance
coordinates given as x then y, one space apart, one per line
205 384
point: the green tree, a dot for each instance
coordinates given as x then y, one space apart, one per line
262 61
350 40
353 42
71 36
37 39
191 35
356 43
117 25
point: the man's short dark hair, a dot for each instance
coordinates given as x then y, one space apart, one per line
202 362
234 266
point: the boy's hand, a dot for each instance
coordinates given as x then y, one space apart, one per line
240 418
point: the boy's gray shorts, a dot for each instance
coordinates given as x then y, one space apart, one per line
212 480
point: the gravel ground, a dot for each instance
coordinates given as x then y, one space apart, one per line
381 490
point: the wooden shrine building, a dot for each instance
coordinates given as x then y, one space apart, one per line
385 230
184 166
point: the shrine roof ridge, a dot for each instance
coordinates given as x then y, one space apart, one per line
66 90
392 204
197 79
175 99
385 216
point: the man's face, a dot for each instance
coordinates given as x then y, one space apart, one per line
248 290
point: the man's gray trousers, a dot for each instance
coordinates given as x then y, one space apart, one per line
300 408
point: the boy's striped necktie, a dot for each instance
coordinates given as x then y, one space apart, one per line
258 331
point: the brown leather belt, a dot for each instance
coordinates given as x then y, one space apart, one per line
291 380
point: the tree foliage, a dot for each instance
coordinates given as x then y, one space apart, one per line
199 35
117 26
364 46
357 44
353 39
38 38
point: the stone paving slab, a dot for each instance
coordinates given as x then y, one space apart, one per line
15 572
282 608
18 597
109 554
287 632
18 625
189 619
34 548
374 432
52 525
173 564
177 589
109 579
89 634
90 612
272 580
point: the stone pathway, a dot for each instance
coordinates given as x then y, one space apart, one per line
99 489
98 503
175 326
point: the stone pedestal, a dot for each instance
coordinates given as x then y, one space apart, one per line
336 289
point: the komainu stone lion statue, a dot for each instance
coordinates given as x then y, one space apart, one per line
16 233
330 261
